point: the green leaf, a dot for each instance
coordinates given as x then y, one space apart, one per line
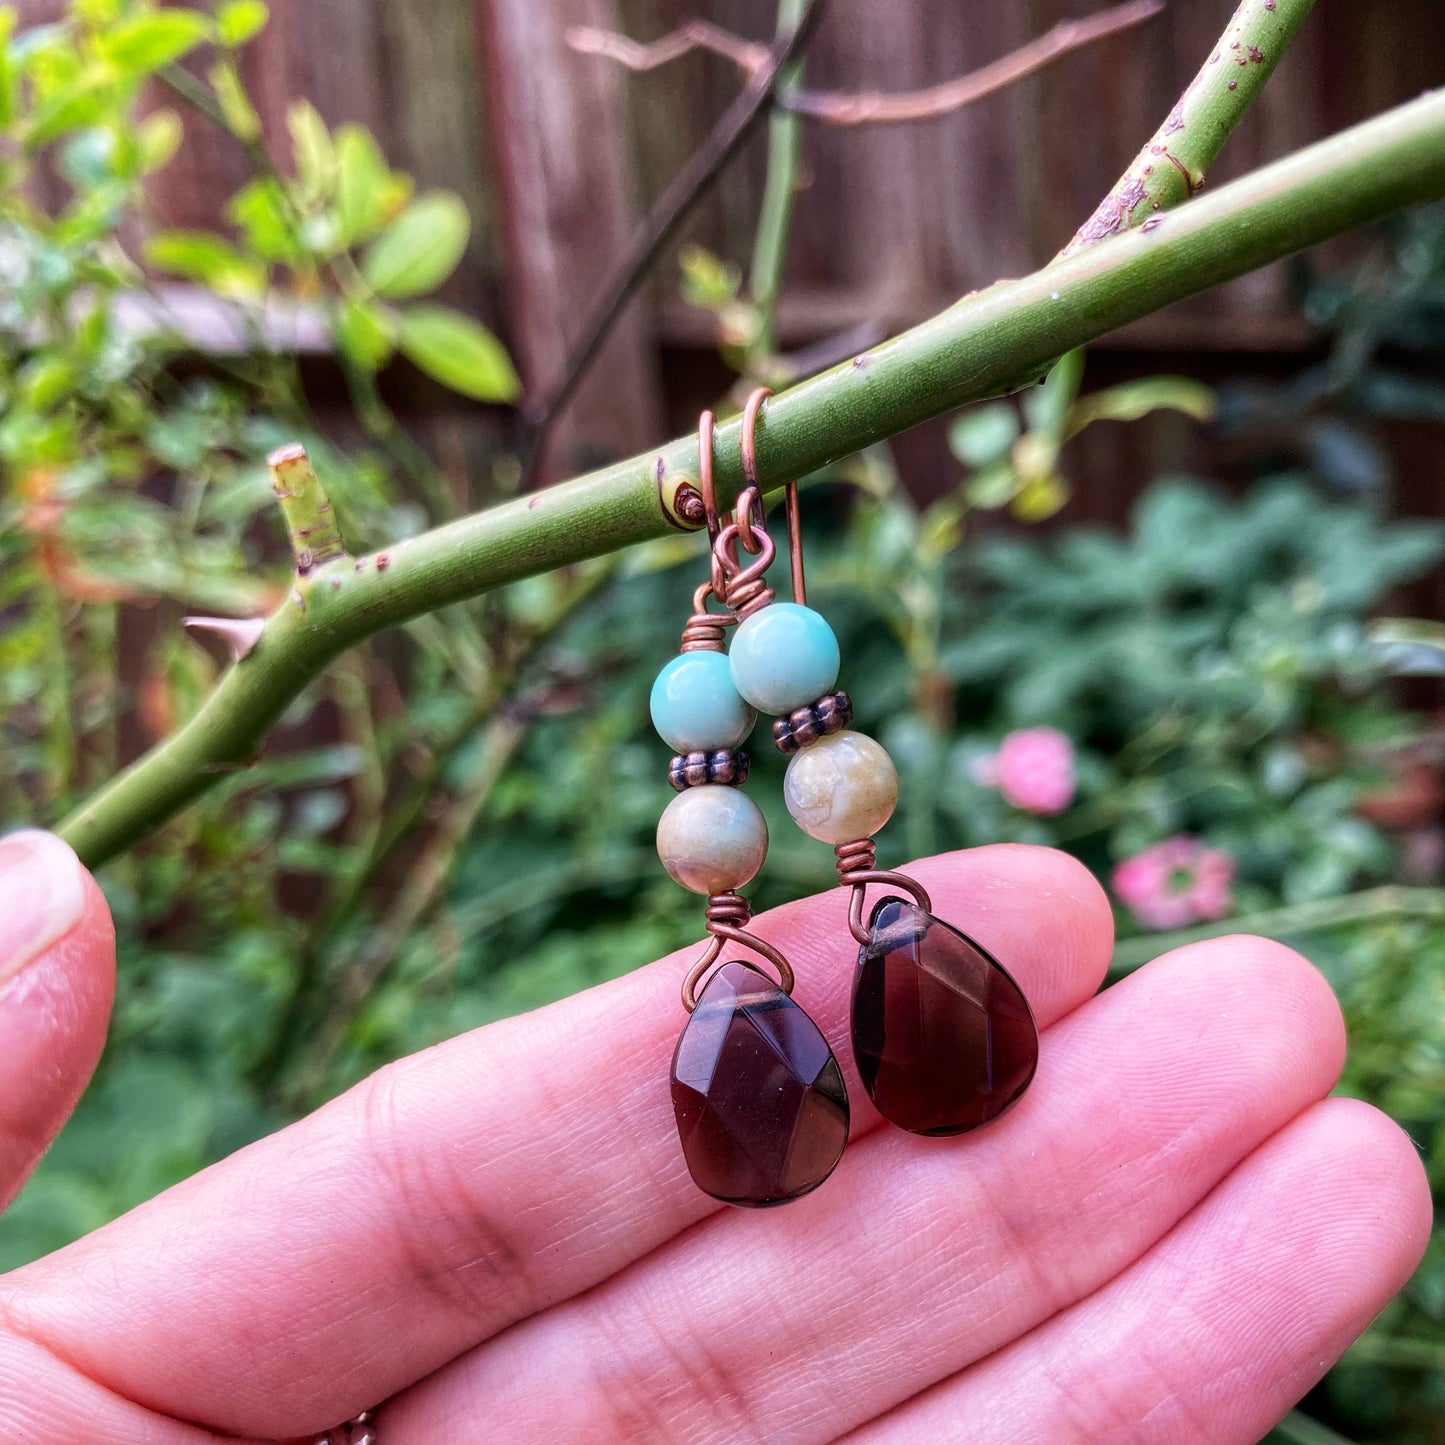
707 280
159 138
259 209
1134 399
68 109
367 192
240 115
458 352
420 249
1040 498
983 434
237 21
202 257
993 487
45 381
154 38
366 334
7 69
315 154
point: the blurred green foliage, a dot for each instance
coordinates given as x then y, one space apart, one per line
456 823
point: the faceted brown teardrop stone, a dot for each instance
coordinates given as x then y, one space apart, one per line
758 1095
943 1037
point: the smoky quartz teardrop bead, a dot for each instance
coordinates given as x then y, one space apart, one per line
760 1103
943 1037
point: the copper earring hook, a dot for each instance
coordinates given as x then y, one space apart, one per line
753 495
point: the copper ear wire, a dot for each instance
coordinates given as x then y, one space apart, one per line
742 586
753 494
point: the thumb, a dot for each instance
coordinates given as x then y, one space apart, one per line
57 981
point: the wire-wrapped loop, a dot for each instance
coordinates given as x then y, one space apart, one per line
856 870
705 630
728 915
745 588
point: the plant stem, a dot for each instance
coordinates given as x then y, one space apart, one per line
991 342
310 522
1399 1352
1172 166
1300 1429
426 879
770 247
1284 922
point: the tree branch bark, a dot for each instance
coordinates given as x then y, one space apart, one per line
1172 165
990 342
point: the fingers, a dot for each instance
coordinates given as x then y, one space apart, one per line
318 1272
46 1401
57 981
1226 1323
922 1255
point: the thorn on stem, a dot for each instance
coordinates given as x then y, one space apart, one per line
240 634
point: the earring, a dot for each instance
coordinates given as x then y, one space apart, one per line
943 1037
761 1108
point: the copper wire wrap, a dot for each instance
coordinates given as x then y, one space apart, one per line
857 868
728 915
704 631
740 584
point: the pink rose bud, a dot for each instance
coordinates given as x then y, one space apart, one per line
1034 770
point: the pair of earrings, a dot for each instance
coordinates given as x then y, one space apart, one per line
942 1036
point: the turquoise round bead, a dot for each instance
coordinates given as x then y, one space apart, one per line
784 656
695 705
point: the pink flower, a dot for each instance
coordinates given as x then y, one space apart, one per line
1033 769
1175 883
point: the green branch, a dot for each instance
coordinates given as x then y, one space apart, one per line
770 247
1172 166
991 342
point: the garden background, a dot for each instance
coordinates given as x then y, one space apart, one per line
1177 612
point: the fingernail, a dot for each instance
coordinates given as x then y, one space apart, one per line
42 897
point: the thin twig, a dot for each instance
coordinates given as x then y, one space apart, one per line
879 108
869 107
749 56
668 213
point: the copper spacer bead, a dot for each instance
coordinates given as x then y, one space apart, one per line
830 714
720 765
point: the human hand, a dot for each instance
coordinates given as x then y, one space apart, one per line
1169 1238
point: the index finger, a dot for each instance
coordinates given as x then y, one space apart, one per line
461 1190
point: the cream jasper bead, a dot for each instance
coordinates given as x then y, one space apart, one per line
841 788
712 838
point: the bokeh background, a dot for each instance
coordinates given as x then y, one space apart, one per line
1179 612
